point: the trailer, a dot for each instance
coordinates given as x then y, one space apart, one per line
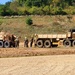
50 40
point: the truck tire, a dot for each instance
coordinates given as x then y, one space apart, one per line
73 43
47 44
39 43
1 44
67 43
6 44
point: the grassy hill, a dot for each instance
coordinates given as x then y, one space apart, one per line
41 25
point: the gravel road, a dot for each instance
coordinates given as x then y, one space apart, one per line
38 65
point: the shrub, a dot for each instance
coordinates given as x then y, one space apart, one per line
29 21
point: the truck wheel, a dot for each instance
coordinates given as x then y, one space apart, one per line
73 43
67 43
6 44
39 43
1 44
47 44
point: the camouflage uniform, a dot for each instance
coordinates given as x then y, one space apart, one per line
26 42
31 41
35 39
17 42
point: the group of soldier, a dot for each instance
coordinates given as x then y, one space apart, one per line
13 41
28 43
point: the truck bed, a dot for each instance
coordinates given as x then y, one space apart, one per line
59 36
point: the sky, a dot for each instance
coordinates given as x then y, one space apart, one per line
4 1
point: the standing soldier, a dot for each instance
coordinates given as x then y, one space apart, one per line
17 42
31 41
26 42
35 39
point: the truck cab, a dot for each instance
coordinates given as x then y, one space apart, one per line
72 31
70 40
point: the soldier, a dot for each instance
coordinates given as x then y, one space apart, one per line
35 39
26 42
31 41
17 42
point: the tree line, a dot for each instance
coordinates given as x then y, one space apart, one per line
38 7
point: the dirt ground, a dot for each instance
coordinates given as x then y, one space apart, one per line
38 65
22 51
37 61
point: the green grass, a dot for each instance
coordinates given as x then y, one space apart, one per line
41 25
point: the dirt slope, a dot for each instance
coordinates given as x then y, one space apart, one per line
39 65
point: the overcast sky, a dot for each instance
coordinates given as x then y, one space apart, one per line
4 1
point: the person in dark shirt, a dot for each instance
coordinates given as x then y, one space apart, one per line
26 42
31 41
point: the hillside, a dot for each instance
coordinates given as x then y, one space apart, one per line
41 25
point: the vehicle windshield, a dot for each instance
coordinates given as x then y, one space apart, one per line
72 30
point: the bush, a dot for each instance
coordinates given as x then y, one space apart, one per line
29 21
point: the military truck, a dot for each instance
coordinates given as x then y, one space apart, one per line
50 40
7 40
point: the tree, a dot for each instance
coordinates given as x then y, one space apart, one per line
28 3
14 7
46 10
4 10
70 10
40 7
8 3
23 11
33 10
